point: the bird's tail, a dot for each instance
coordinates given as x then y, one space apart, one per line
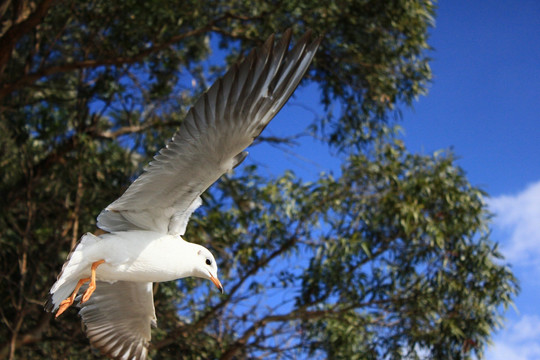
75 268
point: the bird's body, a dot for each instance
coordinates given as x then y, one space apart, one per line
135 256
145 225
152 257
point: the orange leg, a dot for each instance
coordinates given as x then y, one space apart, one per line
92 286
69 301
89 291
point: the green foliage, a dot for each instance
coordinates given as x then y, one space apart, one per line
391 258
408 244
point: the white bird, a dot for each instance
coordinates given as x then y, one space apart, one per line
145 225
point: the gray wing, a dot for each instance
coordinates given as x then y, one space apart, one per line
221 124
117 318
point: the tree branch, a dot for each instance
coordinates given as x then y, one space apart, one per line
131 129
93 63
201 322
299 314
15 32
30 337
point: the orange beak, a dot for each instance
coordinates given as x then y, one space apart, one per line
216 282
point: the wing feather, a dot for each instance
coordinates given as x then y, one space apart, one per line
216 130
118 319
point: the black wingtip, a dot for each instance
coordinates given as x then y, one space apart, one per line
314 44
48 306
238 159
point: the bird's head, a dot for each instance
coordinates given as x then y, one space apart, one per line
205 266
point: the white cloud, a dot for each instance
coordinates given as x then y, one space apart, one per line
517 228
527 328
518 217
517 342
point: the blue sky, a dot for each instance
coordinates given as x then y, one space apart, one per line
485 97
484 104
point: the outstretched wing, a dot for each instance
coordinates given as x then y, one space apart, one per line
221 124
117 318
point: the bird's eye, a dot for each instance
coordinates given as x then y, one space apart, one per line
208 262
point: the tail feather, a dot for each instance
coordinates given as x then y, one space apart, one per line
75 268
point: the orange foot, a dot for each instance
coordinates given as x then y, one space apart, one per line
69 301
87 294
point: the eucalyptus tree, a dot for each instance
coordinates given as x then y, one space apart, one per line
390 257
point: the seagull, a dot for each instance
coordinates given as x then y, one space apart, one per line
112 275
